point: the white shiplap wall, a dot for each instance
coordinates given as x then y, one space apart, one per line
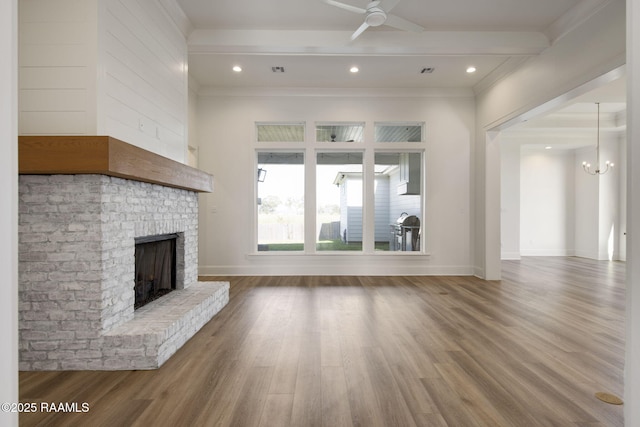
192 108
57 59
145 77
105 67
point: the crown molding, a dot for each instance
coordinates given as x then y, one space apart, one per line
574 17
337 92
390 43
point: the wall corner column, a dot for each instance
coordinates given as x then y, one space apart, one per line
632 368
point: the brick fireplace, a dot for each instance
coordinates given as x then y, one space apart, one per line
77 236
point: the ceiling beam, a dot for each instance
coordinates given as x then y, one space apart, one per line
392 43
574 17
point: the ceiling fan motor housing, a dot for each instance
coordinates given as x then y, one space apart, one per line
375 17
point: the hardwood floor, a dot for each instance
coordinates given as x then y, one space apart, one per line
529 350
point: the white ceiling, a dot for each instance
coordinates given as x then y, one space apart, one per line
573 124
311 41
433 15
320 71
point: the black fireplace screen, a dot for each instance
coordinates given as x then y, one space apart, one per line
155 274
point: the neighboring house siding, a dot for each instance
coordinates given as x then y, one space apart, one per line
344 218
351 209
354 221
402 203
385 197
382 218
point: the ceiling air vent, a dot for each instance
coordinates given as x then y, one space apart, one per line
427 70
277 69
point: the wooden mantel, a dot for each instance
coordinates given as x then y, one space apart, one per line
104 155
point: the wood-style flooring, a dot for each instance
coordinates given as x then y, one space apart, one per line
529 350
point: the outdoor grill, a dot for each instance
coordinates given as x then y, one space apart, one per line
406 229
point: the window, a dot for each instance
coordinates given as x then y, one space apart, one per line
398 132
339 201
280 132
280 204
398 200
343 191
339 132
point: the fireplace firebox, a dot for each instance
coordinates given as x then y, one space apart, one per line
155 269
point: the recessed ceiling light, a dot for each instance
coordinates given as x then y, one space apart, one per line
471 69
237 68
548 147
354 69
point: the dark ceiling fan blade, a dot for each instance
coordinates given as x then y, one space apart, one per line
346 6
402 24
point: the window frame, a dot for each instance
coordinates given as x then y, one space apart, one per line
344 150
310 149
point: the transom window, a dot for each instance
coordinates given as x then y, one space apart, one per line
398 132
280 132
339 132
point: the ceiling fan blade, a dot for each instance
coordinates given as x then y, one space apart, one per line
359 31
346 6
387 5
402 24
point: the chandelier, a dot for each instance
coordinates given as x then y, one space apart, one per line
587 166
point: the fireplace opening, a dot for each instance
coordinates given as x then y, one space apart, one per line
155 271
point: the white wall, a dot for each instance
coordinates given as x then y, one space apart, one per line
622 188
9 211
510 200
226 128
609 205
599 223
192 110
551 207
547 202
587 191
104 67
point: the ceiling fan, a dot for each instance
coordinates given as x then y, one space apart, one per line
376 14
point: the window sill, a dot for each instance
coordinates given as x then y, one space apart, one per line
340 253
